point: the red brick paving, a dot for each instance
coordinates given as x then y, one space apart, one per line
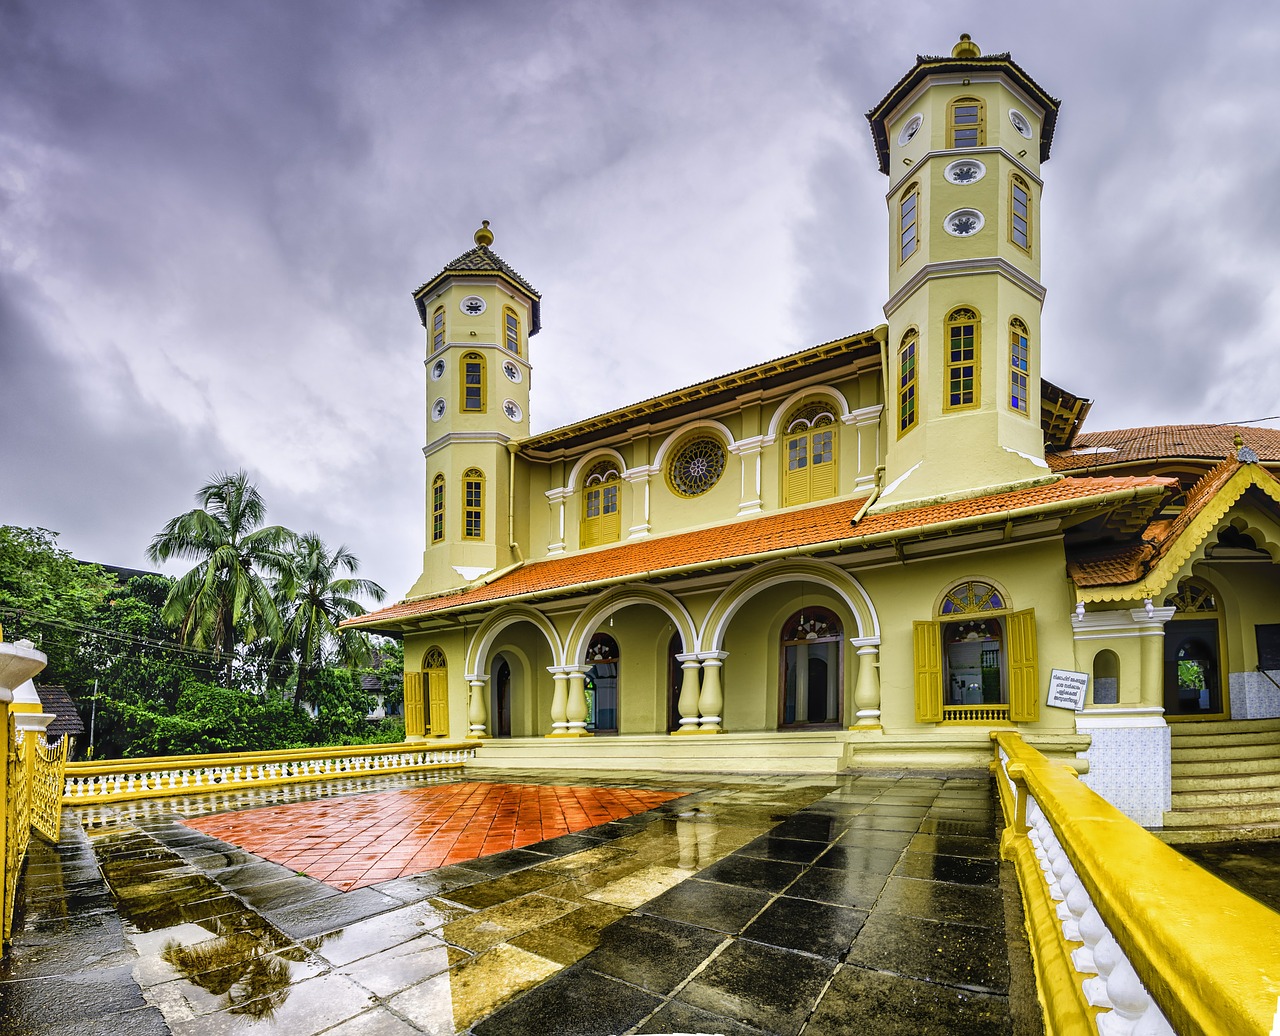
360 840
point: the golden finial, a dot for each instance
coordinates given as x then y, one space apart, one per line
484 236
966 48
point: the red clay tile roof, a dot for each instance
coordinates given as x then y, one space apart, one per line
1198 441
1130 563
809 530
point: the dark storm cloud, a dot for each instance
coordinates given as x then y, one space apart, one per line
212 215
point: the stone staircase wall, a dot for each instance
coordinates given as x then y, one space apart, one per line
1225 781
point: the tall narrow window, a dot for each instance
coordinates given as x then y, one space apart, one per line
437 329
601 516
1020 212
512 323
963 344
437 509
1019 366
473 504
908 236
811 453
473 394
812 680
907 381
966 123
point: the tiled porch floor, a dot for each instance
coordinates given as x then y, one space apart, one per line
361 840
744 906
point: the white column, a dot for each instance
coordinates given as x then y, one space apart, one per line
639 479
559 701
866 692
711 698
689 691
477 713
576 711
556 498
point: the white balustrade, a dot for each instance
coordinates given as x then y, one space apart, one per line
1106 977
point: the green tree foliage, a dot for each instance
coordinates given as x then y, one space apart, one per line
48 597
210 719
320 593
225 600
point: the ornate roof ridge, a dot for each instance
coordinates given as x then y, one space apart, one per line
480 259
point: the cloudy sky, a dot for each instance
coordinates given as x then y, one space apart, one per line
212 216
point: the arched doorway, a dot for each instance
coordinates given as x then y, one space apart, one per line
675 679
501 726
811 655
602 684
1192 661
434 712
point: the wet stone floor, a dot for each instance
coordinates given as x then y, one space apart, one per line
872 904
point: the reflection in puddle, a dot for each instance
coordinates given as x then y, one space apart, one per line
238 965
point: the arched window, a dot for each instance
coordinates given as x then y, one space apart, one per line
908 222
812 679
976 661
810 443
437 509
473 383
601 515
966 123
473 504
1019 212
429 711
602 683
907 412
1019 366
512 329
1192 652
963 345
502 698
1106 678
437 329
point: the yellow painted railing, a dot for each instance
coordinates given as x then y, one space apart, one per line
46 767
123 779
17 822
1127 935
975 713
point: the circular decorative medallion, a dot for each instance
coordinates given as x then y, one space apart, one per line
698 466
437 409
437 370
1020 122
511 371
472 305
512 409
910 129
964 222
965 171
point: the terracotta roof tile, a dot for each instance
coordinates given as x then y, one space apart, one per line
814 528
1195 441
1130 563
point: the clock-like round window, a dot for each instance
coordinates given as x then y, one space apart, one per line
437 409
437 370
963 223
472 305
511 371
512 409
1020 122
697 466
910 129
965 171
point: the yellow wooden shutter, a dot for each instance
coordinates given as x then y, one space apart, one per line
413 714
589 531
438 701
795 486
610 515
928 659
822 470
1024 681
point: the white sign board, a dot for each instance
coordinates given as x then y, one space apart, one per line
1067 689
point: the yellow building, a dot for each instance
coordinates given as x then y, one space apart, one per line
873 551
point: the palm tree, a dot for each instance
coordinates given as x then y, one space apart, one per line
321 598
224 600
